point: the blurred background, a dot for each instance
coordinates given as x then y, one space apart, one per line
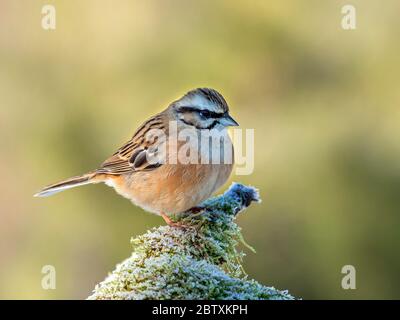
324 103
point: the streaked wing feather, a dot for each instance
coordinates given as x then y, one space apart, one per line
132 156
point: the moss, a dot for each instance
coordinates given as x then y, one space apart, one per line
198 261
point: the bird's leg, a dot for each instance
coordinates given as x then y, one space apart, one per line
169 221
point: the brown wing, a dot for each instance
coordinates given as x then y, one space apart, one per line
133 155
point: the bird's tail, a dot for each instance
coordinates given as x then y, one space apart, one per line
67 184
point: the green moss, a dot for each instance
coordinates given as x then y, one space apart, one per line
198 261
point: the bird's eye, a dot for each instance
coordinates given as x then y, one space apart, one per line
205 113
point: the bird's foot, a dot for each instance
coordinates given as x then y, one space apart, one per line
172 223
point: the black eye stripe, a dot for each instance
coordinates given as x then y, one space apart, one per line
211 114
207 113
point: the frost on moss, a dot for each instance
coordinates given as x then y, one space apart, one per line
198 261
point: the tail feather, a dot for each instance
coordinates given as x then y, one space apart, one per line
66 184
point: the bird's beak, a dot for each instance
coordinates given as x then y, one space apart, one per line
228 121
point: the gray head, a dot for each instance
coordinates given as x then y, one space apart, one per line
203 108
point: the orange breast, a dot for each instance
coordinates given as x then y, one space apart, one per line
172 188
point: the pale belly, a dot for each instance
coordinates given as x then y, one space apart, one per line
172 188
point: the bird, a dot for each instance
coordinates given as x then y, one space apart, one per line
159 185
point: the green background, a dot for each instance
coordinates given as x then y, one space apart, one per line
324 103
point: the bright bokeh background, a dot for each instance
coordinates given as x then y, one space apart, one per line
324 103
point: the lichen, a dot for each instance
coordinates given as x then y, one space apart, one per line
199 260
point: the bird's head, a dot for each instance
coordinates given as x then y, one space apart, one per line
203 108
